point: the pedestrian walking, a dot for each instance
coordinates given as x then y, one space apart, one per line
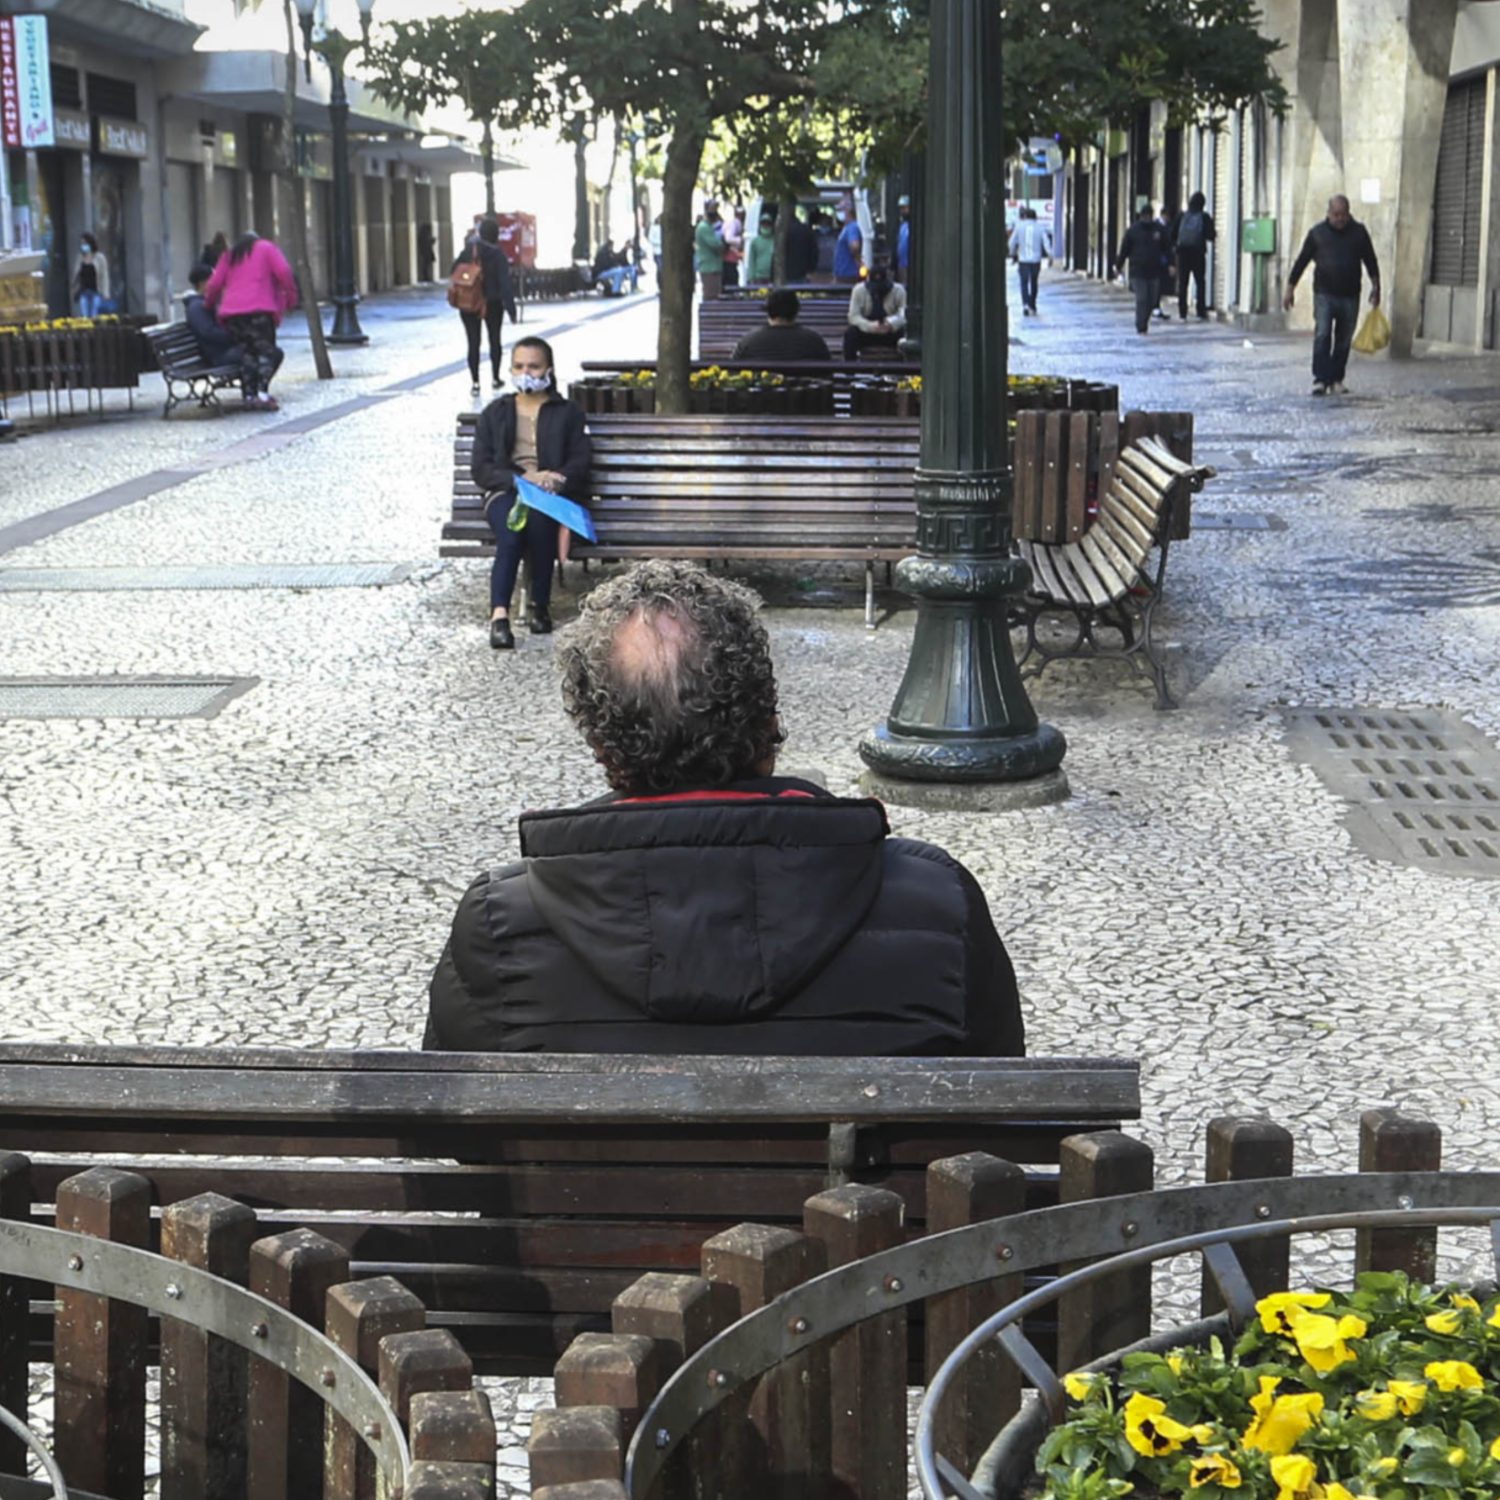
708 252
1141 252
499 298
90 277
1336 249
1166 285
1030 244
903 240
847 249
537 433
760 256
426 252
877 312
1193 234
250 289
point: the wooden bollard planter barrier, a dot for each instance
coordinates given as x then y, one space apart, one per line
281 1379
783 1369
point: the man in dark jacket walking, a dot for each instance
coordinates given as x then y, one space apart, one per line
1337 249
1193 233
708 905
1144 250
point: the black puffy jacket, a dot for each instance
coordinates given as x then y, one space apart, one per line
769 917
562 445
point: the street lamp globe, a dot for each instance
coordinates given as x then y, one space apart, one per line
366 11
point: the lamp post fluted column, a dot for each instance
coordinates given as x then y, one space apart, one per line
346 330
961 714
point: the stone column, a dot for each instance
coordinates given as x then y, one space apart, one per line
1394 60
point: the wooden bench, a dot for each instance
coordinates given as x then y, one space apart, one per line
517 1196
783 489
180 362
723 323
1111 572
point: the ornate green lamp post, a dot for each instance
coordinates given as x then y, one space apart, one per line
334 48
961 715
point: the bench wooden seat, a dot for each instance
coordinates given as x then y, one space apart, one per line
518 1195
723 323
731 487
1112 574
180 362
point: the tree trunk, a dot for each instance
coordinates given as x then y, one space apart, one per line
487 156
581 247
785 213
675 331
296 217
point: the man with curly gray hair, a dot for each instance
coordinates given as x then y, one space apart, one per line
706 904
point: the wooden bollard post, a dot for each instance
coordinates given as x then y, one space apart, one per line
1114 1310
1390 1141
204 1380
679 1314
411 1364
621 1370
295 1271
964 1190
100 1345
867 1363
773 1438
359 1315
1239 1149
442 1481
15 1313
452 1427
573 1444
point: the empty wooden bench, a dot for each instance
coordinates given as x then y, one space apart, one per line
784 489
1111 573
181 364
517 1196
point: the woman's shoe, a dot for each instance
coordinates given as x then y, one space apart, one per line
502 638
474 389
540 622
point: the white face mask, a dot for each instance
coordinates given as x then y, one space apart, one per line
532 384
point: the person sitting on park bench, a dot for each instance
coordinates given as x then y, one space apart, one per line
707 905
783 338
217 346
877 312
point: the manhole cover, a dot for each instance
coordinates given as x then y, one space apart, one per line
222 576
1205 520
118 697
1423 786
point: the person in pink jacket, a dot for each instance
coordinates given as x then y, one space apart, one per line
252 286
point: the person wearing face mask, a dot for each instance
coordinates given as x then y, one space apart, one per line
877 312
537 433
90 277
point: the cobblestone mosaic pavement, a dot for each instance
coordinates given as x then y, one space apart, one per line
284 873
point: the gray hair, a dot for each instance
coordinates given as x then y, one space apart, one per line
667 673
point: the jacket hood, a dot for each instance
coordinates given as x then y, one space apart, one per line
711 906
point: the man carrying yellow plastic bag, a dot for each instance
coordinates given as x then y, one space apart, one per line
1336 249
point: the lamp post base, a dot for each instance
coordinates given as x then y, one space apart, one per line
346 329
968 796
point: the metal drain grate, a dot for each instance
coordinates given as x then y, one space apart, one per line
1207 520
118 697
222 576
1423 785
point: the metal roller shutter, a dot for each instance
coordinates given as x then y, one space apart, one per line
1456 204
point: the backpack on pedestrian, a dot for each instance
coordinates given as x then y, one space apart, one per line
466 286
1191 233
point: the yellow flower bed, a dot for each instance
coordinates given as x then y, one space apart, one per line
1391 1392
716 377
62 325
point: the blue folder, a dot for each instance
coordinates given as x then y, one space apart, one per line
562 510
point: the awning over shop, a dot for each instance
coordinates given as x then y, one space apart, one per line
134 28
435 154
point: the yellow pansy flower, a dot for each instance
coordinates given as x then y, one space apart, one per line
1494 1318
1080 1385
1213 1468
1277 1310
1464 1301
1495 1448
1295 1474
1204 1432
1457 1457
1385 1465
1447 1321
1320 1340
1454 1375
1148 1428
1411 1395
1376 1406
1336 1491
1174 1364
1280 1421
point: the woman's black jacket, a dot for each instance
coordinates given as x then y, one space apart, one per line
562 444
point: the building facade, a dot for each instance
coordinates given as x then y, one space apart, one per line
159 146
